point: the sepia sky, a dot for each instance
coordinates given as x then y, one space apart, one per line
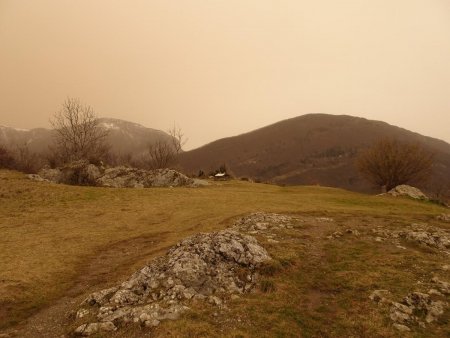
223 67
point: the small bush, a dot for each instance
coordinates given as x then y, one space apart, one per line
267 286
287 262
271 268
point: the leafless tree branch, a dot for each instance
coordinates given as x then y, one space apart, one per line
78 135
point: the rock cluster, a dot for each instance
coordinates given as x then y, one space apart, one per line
324 219
265 224
406 190
417 307
75 173
206 267
338 234
262 222
444 217
421 234
84 173
123 177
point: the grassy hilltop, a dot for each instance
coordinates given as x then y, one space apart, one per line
59 243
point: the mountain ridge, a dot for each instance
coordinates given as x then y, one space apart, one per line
124 136
308 149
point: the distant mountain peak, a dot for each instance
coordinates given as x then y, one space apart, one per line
124 137
308 149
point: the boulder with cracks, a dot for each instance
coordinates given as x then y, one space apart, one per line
408 191
84 173
207 267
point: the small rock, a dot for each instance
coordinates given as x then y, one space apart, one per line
435 310
444 287
215 300
444 217
92 328
380 296
400 317
82 313
336 234
152 323
353 232
402 328
324 219
434 292
261 226
402 308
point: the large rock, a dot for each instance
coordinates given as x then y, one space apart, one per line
123 177
75 173
406 190
84 173
47 174
205 267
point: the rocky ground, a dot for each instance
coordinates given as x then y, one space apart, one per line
84 173
430 299
206 267
219 267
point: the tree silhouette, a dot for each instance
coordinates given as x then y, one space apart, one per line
389 163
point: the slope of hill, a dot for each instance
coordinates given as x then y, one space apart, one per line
124 137
309 149
331 249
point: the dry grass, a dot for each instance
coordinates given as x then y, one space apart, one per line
59 239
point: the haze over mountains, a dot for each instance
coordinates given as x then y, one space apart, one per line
124 137
309 149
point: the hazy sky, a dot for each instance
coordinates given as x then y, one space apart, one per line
223 67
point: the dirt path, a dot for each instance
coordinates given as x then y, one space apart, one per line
315 258
126 257
53 321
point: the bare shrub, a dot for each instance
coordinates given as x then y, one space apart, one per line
6 158
389 163
439 191
267 286
26 160
78 134
164 153
20 158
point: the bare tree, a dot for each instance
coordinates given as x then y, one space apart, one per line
178 139
78 134
389 163
161 154
164 153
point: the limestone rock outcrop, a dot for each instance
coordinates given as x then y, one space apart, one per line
207 267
